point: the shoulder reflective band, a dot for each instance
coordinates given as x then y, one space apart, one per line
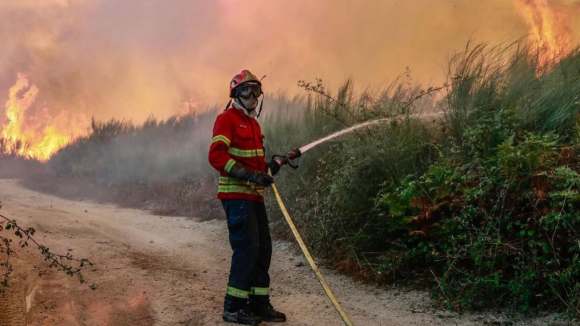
221 138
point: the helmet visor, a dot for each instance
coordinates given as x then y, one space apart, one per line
249 90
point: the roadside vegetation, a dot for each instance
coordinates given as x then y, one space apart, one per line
471 190
13 165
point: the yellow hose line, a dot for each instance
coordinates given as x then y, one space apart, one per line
327 289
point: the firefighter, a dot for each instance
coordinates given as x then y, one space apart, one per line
237 152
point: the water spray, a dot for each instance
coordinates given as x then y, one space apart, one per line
297 152
305 148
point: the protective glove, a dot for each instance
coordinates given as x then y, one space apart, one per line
274 166
261 178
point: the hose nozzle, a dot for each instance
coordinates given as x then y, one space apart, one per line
287 159
295 153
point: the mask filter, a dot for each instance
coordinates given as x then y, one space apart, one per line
250 103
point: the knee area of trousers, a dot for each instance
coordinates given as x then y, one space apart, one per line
253 249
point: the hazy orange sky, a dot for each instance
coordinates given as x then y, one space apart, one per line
133 58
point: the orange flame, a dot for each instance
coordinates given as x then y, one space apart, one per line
550 28
41 142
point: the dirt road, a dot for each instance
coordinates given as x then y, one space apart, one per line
158 270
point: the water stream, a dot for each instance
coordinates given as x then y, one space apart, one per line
305 148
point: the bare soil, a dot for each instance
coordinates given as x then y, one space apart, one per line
159 270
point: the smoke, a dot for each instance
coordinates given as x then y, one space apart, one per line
102 58
134 58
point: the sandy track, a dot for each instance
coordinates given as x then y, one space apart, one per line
154 270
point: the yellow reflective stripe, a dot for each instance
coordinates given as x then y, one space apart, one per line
229 165
234 181
241 189
246 152
260 291
235 185
237 293
229 181
221 138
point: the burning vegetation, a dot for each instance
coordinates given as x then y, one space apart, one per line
550 29
34 136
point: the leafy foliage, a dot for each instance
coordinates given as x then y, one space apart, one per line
492 232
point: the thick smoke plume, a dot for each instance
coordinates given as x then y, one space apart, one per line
134 58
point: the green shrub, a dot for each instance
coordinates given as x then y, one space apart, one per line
494 232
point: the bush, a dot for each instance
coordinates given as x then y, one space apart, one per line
495 232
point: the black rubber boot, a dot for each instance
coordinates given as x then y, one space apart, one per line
242 316
269 314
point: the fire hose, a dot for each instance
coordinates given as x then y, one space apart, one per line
287 159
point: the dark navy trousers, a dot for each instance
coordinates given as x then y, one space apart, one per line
249 235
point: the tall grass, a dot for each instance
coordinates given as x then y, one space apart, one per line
503 84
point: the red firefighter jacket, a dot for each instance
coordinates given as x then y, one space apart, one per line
237 138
